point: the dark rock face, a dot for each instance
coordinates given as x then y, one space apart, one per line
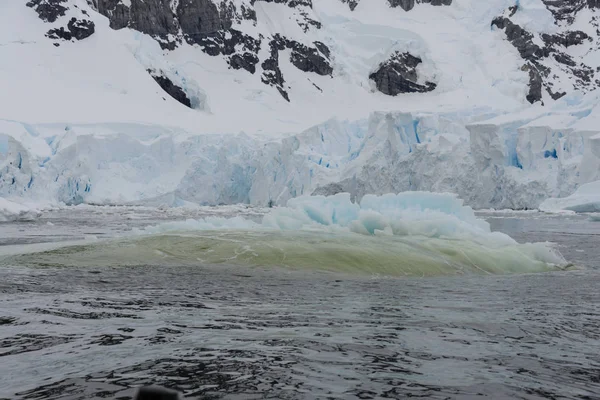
81 28
307 59
520 39
76 29
535 83
565 10
240 48
543 60
408 5
271 73
291 3
571 38
399 75
199 18
118 14
351 3
173 90
438 2
210 26
245 61
48 10
196 21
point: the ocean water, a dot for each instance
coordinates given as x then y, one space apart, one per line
99 330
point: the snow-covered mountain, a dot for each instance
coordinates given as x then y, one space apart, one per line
208 101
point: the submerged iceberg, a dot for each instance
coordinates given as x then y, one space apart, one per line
407 234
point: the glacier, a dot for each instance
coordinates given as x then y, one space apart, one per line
84 122
491 161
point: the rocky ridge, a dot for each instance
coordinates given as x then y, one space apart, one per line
223 28
547 56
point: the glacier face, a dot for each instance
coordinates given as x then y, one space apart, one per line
504 161
92 113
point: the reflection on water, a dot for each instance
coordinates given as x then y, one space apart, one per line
234 332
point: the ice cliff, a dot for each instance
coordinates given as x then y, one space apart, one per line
231 101
507 161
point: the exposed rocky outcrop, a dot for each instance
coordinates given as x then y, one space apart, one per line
76 29
192 20
535 83
408 5
307 59
210 25
172 90
271 72
291 3
399 75
545 57
351 3
241 49
566 10
310 59
48 10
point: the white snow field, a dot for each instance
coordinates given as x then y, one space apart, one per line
83 122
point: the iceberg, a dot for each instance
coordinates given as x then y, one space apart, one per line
586 199
11 211
406 234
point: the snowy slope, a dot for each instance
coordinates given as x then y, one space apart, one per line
281 100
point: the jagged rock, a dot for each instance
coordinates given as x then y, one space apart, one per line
520 39
351 3
76 29
153 17
304 58
399 75
537 56
535 83
571 38
565 59
323 49
309 59
118 13
173 90
437 2
271 72
306 22
81 28
555 96
245 61
59 33
291 3
199 18
241 48
408 5
565 10
48 10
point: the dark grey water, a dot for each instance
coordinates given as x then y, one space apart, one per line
252 333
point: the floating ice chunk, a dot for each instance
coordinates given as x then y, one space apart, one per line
11 211
585 199
409 214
